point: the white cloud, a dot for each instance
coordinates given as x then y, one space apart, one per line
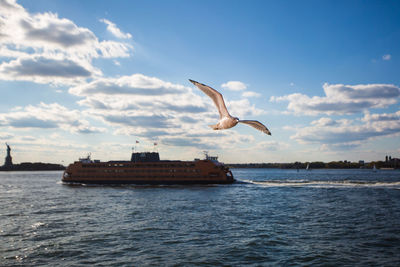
142 105
272 146
111 27
5 136
46 29
111 49
203 139
251 94
387 57
342 99
47 116
242 108
47 70
149 107
136 84
234 85
324 122
43 39
54 148
381 117
344 132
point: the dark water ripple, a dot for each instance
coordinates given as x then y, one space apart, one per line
270 217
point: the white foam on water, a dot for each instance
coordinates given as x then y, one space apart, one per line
323 184
37 225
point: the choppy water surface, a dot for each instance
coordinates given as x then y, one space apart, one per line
270 217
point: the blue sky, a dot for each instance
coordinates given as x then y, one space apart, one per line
95 76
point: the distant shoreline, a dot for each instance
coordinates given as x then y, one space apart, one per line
33 166
317 165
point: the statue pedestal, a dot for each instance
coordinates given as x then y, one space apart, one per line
8 162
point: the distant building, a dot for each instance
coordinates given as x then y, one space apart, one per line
392 162
8 162
361 162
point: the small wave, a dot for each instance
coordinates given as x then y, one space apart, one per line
37 225
323 184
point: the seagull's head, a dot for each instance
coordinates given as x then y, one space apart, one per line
236 119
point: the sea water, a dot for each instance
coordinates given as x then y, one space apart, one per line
269 217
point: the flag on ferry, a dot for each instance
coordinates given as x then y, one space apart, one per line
137 142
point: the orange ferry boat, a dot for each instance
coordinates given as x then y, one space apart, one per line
147 168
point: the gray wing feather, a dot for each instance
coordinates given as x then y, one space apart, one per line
215 96
256 124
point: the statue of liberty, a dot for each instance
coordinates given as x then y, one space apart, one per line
8 162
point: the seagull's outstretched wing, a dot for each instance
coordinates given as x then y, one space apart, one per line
215 96
256 124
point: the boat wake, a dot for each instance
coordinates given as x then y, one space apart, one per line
324 184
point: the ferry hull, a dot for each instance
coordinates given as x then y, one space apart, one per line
160 172
151 182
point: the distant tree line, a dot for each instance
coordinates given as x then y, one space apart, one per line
35 166
318 165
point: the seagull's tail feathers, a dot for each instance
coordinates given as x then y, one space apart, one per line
214 127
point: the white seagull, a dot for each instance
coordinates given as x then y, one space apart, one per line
226 121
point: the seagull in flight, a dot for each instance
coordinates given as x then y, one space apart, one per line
226 121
